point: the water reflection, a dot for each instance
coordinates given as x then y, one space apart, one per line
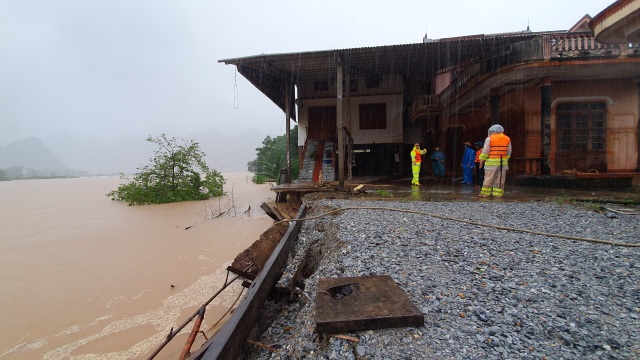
415 192
446 190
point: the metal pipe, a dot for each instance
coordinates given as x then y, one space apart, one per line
192 337
172 333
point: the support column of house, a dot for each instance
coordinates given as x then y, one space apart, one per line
495 106
346 119
638 123
340 122
545 124
287 111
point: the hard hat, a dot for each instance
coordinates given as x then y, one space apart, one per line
495 129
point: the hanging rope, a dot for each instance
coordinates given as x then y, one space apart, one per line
567 237
236 97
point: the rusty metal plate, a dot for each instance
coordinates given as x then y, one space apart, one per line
363 303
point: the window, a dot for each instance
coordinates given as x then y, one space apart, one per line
581 126
373 116
321 85
353 85
372 82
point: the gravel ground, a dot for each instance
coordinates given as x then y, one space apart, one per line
485 293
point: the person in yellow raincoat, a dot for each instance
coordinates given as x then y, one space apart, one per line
416 162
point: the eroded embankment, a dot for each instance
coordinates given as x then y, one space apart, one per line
485 291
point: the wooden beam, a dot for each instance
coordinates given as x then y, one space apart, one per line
269 211
230 341
340 122
287 111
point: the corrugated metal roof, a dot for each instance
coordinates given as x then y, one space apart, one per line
271 73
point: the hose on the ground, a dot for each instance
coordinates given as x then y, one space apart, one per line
507 228
622 211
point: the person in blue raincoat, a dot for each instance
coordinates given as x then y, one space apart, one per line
468 163
437 161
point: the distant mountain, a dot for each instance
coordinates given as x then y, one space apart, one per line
101 157
30 153
224 152
58 154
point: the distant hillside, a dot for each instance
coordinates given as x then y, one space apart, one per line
99 157
225 152
30 153
58 154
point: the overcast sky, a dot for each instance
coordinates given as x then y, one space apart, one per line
110 68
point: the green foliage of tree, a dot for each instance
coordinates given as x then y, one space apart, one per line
177 172
259 179
271 157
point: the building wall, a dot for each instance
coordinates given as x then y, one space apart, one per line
393 132
519 113
622 117
520 116
389 92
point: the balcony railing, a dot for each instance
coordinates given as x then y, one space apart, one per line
424 104
574 45
549 47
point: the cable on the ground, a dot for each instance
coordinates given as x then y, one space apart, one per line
507 228
622 211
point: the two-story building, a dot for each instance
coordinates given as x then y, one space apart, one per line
569 102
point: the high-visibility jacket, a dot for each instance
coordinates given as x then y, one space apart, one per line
497 151
416 155
478 155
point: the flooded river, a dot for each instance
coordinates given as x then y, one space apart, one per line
84 277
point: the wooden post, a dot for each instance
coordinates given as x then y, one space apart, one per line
287 111
346 119
340 123
638 123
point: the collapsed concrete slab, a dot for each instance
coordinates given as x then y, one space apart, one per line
363 303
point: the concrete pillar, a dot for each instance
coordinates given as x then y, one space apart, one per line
545 124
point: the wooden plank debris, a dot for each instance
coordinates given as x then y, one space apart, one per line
249 262
363 303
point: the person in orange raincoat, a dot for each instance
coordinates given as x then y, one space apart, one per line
495 160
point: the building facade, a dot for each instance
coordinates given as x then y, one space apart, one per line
569 102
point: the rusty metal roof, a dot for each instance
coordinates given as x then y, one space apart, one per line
271 73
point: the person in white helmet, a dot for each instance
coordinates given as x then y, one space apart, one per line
495 160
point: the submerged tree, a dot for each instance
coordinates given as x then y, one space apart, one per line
271 157
177 172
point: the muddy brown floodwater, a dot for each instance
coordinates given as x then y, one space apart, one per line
84 277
